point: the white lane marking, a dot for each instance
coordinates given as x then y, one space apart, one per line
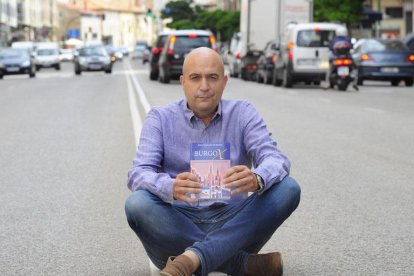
375 110
142 98
133 108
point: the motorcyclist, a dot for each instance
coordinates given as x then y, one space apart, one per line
341 44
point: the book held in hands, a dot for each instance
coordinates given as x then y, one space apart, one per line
209 162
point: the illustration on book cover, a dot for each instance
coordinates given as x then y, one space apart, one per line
209 162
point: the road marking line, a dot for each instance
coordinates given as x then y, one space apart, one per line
133 108
375 110
143 99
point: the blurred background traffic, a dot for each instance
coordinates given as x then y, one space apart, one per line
269 42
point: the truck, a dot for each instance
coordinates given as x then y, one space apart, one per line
264 20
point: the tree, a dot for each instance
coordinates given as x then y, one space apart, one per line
347 12
222 23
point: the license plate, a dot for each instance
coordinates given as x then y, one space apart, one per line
343 71
94 67
390 69
12 69
308 61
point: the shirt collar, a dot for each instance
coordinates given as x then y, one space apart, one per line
189 114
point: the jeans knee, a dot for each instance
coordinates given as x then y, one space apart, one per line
135 205
293 189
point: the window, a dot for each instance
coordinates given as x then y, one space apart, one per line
394 12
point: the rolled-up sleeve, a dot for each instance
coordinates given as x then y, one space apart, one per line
268 161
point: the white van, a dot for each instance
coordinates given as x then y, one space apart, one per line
304 53
47 55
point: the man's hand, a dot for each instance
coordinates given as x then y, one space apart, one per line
186 183
241 179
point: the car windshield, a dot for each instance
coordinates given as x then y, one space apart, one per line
141 47
47 52
13 53
383 45
315 38
187 43
92 51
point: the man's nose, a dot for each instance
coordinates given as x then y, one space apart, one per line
204 84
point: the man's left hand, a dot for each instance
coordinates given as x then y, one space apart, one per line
240 179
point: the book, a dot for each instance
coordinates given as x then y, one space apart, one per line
209 162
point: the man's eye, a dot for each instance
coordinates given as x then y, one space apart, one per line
214 77
194 77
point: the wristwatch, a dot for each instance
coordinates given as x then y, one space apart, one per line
260 182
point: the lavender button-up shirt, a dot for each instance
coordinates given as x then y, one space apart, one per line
169 131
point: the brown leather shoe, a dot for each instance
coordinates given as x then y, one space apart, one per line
270 264
178 266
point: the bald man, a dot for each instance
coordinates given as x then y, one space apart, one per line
182 232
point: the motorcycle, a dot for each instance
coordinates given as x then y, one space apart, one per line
343 69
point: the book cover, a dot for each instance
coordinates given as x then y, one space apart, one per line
209 162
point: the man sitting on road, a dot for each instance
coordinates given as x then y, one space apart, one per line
183 234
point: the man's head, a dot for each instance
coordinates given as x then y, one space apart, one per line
203 81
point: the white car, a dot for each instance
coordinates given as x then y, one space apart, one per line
66 55
47 55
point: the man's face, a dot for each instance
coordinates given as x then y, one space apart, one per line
203 81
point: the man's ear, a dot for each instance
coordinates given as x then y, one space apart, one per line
182 80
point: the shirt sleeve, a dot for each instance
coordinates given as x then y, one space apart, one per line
268 161
147 171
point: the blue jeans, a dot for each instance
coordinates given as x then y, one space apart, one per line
221 235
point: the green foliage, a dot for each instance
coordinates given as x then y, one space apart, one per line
222 23
337 11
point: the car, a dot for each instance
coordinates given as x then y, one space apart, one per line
266 62
92 58
304 53
233 56
14 61
140 52
155 55
384 60
178 44
66 54
47 55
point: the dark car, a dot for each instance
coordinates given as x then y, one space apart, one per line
92 58
384 60
155 55
178 45
266 62
15 61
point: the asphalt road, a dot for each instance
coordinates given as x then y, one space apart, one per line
67 142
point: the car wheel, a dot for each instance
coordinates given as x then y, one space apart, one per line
259 79
395 82
108 71
32 73
153 75
57 67
287 79
37 68
1 76
360 81
409 82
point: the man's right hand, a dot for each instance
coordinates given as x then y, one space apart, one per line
184 184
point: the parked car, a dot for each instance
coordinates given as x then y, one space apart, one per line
409 41
15 61
384 60
233 56
92 58
304 53
266 62
155 55
177 46
47 55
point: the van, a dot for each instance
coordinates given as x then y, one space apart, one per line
47 55
304 53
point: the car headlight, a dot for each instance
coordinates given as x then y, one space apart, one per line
26 63
106 60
